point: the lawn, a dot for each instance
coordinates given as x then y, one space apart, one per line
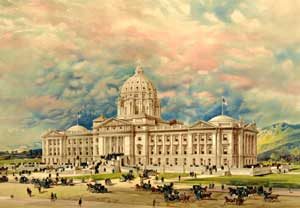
172 175
17 161
101 176
273 180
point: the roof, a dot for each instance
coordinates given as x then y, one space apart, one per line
222 119
77 128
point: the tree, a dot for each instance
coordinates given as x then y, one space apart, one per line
274 156
295 152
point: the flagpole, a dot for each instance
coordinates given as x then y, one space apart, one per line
222 106
77 118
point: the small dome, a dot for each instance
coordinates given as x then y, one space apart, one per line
77 128
138 83
222 119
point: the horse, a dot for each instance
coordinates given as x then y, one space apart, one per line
270 197
206 195
138 187
239 201
229 200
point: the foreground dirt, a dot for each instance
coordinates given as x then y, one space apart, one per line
124 195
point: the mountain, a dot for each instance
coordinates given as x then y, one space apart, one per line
282 139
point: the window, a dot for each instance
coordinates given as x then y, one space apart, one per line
225 150
225 137
139 139
140 152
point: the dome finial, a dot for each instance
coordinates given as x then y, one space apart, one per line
139 69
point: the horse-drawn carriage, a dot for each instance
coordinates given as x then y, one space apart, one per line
67 182
201 192
24 179
42 183
97 188
127 177
147 173
3 179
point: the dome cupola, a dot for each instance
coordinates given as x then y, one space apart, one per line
138 96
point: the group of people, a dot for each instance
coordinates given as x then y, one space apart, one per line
53 197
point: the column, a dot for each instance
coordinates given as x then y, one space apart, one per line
241 148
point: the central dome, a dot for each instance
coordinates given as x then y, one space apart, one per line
138 83
138 96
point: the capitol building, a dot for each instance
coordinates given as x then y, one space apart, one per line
144 139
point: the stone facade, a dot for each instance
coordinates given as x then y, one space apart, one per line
147 140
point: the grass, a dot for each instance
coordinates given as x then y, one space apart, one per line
17 161
172 175
102 176
273 180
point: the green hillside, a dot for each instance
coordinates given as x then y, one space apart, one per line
282 139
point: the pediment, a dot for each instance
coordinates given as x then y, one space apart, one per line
113 122
53 133
202 124
251 127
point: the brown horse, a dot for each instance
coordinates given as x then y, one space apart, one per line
207 195
229 200
138 187
271 197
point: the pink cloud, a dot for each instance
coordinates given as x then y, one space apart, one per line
237 81
170 93
44 103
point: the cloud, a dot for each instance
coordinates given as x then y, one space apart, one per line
58 58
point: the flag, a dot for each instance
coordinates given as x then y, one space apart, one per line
224 101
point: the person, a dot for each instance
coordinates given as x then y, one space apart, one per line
55 197
222 187
52 196
40 189
162 179
179 177
270 189
153 203
80 202
29 191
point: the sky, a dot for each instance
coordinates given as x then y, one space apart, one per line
59 57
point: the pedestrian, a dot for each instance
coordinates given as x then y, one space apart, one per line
55 197
195 175
40 189
222 187
179 177
153 203
52 196
29 191
162 179
80 202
